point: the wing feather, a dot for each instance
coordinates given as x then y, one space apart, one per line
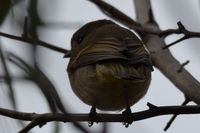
110 48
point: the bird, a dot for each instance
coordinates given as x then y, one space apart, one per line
109 67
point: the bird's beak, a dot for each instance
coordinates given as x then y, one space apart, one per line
67 54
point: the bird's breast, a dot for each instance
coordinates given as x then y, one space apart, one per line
99 85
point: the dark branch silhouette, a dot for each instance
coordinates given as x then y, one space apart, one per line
180 30
35 42
41 119
169 123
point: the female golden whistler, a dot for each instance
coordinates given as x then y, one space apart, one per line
109 68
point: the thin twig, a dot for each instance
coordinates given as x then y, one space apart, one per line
105 128
175 42
46 87
36 42
182 66
186 101
8 79
27 128
42 81
25 28
180 30
14 78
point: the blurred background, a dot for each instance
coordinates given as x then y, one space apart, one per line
27 71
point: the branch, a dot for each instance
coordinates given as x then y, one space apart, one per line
175 42
119 16
35 42
164 60
14 78
182 66
42 81
41 119
8 79
143 14
116 15
186 101
105 128
48 89
113 12
180 30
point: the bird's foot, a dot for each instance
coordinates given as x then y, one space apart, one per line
92 116
127 114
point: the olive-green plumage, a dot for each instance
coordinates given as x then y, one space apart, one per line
109 67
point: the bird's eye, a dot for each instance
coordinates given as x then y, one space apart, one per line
80 39
76 41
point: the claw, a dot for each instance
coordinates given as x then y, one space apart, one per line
127 114
92 116
90 123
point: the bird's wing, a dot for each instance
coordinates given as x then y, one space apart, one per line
111 48
104 49
138 53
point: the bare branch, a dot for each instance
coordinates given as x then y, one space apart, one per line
182 66
153 111
119 16
105 128
143 15
8 79
31 125
175 42
25 28
35 42
45 85
113 12
164 60
186 101
14 78
180 30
